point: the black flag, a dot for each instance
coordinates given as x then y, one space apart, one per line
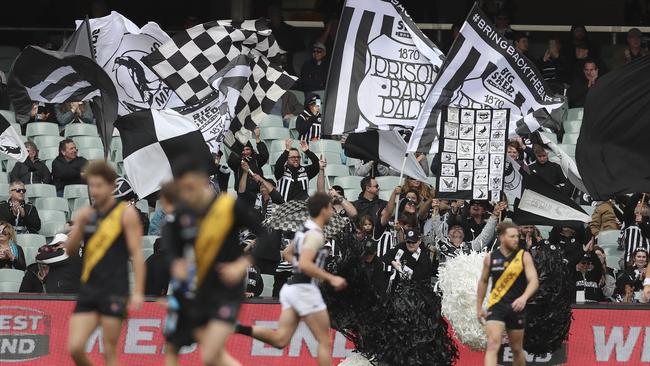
613 151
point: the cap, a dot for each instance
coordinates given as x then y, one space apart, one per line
312 98
412 235
586 258
59 238
319 45
484 203
48 254
634 32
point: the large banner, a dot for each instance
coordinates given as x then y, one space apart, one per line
34 332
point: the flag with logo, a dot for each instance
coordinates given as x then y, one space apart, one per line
239 101
10 142
119 45
472 153
382 69
193 56
484 70
40 75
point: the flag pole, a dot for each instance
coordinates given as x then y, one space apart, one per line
401 176
322 156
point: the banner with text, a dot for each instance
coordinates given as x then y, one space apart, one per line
34 332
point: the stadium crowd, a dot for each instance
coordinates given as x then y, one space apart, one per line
289 158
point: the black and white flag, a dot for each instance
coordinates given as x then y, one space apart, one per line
119 46
10 142
193 56
386 147
543 204
472 153
239 102
152 141
484 70
382 69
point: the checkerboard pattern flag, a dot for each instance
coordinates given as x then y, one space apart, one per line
192 57
290 216
152 140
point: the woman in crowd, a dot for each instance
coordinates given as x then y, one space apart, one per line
33 170
71 112
11 254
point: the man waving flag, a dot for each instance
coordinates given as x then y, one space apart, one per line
484 70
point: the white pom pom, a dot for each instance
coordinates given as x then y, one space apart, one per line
458 281
355 359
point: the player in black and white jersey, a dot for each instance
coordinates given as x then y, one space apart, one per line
300 297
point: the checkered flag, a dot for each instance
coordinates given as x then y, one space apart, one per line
290 216
152 140
192 57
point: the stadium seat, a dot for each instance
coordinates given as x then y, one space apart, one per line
588 209
352 162
35 191
336 170
385 195
80 129
608 237
42 128
568 148
11 275
274 133
74 191
47 141
143 205
117 156
330 157
544 230
4 178
352 194
10 287
30 255
570 138
48 163
325 145
4 189
388 182
88 142
278 145
92 153
49 229
52 216
272 120
52 203
575 114
268 172
348 182
48 153
549 135
268 280
79 203
572 126
9 116
148 240
273 157
30 240
147 252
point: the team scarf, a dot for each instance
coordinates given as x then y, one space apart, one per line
107 231
507 279
213 230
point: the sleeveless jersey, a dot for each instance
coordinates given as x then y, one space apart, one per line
498 265
321 255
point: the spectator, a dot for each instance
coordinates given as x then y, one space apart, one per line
579 38
66 168
340 203
529 237
219 181
554 66
11 254
634 48
254 160
631 280
288 37
636 235
22 214
123 192
369 203
254 282
313 74
502 24
265 200
373 169
168 198
608 282
74 112
55 272
587 275
328 36
41 112
549 172
422 159
472 221
290 108
603 218
414 184
293 179
33 170
521 43
582 83
157 281
516 153
308 123
410 258
373 267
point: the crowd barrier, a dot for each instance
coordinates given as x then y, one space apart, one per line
33 331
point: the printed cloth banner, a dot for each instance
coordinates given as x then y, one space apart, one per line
484 70
472 153
382 69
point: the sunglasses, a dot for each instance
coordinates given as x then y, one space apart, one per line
317 50
19 190
4 231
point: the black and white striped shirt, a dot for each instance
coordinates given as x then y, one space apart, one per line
288 180
309 126
633 238
386 240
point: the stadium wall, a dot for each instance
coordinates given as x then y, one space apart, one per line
33 331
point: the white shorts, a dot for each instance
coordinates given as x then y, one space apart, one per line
304 298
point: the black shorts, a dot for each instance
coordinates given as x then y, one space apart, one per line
182 333
225 310
101 302
504 313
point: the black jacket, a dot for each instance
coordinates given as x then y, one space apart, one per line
590 281
31 283
67 172
157 279
552 174
296 191
18 262
422 267
256 161
31 172
255 282
313 76
304 122
370 208
31 222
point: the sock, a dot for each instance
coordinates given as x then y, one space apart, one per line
244 329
